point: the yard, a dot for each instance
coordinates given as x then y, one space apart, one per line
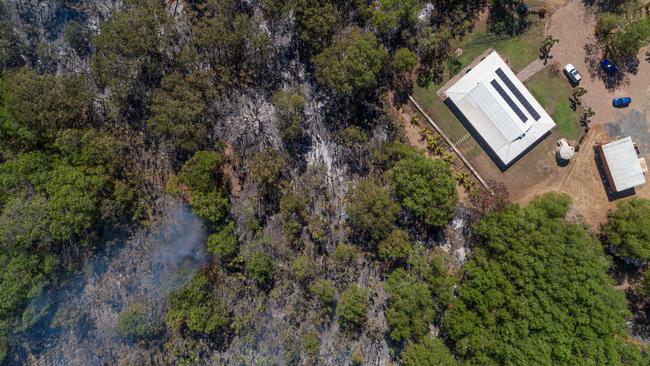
552 91
519 51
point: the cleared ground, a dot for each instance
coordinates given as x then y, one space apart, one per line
537 172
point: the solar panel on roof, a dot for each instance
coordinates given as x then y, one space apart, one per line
508 100
518 95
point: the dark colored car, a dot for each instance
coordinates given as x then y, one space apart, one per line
608 66
621 102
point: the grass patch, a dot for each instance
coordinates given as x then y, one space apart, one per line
553 93
439 112
520 50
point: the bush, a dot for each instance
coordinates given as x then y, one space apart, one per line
310 343
396 247
136 322
352 307
324 291
345 254
302 268
260 268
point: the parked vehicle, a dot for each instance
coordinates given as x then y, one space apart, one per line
572 73
608 66
621 102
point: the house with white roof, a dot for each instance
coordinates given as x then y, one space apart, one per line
497 108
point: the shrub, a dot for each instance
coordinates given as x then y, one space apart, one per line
302 268
352 307
260 268
137 322
324 291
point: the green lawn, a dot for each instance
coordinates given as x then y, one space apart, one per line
520 50
439 112
553 93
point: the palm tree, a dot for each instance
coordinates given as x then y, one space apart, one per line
545 49
586 117
576 94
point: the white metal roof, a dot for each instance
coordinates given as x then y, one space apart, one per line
500 108
624 164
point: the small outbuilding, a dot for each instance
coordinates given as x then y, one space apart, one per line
623 166
564 151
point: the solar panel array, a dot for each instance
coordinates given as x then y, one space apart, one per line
509 101
502 75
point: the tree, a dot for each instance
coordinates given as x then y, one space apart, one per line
429 352
411 309
352 306
606 23
201 172
537 293
545 49
396 247
425 188
628 229
351 64
324 291
290 106
404 61
260 268
389 16
180 111
371 211
38 106
223 243
129 54
317 24
197 309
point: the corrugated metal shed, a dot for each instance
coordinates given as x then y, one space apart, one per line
623 164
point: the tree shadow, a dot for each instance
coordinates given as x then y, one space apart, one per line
595 54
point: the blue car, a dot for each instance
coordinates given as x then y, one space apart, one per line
621 102
608 66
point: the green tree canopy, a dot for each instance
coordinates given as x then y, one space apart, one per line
196 308
38 106
426 188
538 293
352 306
371 211
628 229
351 64
396 247
428 352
